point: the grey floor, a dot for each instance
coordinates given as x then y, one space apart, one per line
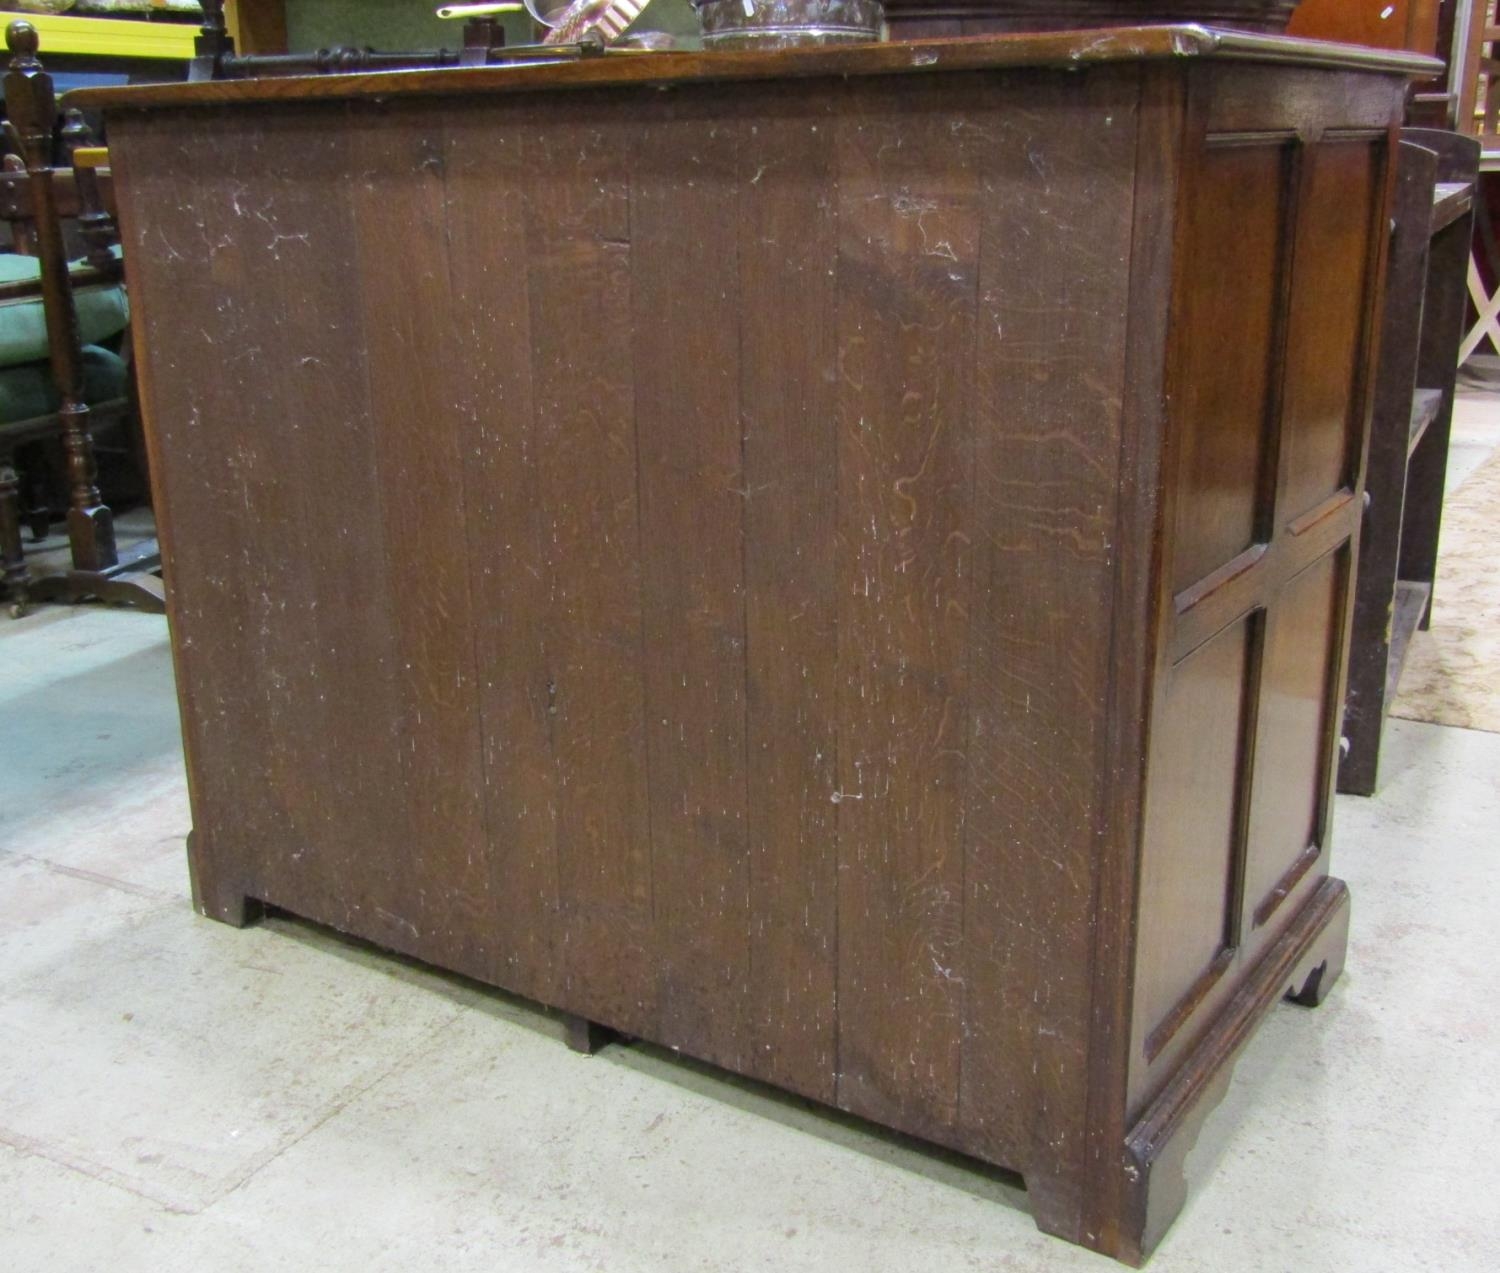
178 1095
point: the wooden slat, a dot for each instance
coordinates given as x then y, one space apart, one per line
316 762
418 434
227 707
15 193
1047 420
328 668
1450 200
787 245
908 276
685 293
510 579
578 262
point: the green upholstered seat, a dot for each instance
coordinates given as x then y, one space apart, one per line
27 392
103 311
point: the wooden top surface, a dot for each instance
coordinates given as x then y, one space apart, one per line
1049 49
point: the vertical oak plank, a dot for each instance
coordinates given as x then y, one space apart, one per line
578 263
485 162
334 723
252 217
788 242
908 273
1050 348
180 322
685 350
419 428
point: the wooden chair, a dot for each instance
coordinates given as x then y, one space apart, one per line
71 385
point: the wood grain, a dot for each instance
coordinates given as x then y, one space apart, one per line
908 282
775 582
787 240
685 356
579 269
493 390
1056 232
1063 50
419 436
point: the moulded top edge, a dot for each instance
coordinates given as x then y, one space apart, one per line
1055 49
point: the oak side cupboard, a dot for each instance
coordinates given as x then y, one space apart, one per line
836 562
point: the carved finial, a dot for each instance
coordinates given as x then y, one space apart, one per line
28 96
22 40
75 130
213 17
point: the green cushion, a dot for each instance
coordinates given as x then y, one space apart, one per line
103 311
27 392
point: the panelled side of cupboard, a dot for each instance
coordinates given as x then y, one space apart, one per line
837 562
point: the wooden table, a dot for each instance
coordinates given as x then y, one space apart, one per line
837 562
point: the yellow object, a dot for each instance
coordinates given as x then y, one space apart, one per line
477 10
108 37
91 157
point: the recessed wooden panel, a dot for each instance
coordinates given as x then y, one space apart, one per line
1293 746
1340 188
1227 322
1188 863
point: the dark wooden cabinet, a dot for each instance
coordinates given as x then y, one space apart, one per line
837 562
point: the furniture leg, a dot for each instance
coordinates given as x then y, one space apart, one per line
16 577
129 582
91 527
214 896
1056 1205
585 1036
1302 966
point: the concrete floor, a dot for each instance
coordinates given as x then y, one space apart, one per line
178 1095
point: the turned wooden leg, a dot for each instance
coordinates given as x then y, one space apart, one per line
586 1036
215 897
13 570
91 526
